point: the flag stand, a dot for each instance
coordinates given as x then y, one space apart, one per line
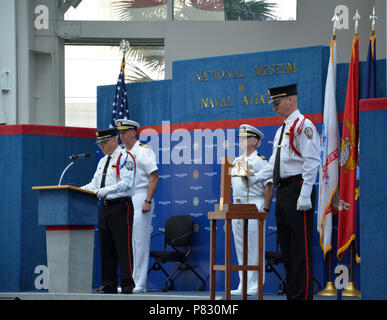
330 290
346 223
330 146
351 290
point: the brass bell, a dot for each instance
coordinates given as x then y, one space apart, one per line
242 169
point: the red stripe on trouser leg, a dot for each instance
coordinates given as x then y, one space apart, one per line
129 241
306 257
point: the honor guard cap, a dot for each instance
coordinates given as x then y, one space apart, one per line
126 124
283 91
104 135
245 130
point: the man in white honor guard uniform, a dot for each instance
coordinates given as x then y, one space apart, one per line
293 167
146 183
259 194
113 183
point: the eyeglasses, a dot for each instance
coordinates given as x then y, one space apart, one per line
276 100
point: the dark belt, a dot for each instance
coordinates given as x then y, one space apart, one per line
110 202
285 181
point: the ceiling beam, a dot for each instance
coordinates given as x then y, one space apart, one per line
111 32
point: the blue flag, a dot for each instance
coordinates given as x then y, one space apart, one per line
368 92
369 80
120 108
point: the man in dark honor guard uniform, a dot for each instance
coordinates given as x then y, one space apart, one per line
293 167
113 183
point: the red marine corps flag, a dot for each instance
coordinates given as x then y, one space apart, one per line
349 154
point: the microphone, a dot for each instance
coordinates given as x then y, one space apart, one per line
74 157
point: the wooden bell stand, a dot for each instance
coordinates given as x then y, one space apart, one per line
227 211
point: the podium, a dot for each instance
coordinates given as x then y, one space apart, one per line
70 215
226 211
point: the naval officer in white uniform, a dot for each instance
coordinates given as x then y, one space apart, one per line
145 186
259 194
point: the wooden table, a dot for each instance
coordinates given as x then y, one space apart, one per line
227 212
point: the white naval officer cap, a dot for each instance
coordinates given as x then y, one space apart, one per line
245 130
126 124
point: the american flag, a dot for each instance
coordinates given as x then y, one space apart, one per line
120 108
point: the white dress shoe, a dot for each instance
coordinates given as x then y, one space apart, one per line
236 292
252 293
139 290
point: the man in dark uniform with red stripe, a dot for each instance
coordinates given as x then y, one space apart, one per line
113 183
294 165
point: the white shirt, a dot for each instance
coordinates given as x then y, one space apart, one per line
116 187
307 142
239 189
145 164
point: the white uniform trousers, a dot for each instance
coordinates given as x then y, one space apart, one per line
141 239
252 257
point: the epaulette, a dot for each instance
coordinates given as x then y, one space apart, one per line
261 156
145 146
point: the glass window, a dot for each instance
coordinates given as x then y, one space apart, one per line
284 9
115 10
190 10
87 67
231 10
204 10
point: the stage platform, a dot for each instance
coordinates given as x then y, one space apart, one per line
150 295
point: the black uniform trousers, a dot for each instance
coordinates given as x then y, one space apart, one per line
295 232
115 236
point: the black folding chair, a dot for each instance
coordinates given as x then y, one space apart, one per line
274 258
178 235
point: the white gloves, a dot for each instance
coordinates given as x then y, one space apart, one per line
304 203
101 193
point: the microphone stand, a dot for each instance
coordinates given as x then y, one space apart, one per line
73 158
61 177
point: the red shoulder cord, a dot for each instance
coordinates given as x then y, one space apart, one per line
118 165
292 135
299 130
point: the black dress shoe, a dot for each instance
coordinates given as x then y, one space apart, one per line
127 290
108 289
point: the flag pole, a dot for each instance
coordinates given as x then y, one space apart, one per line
373 18
351 290
330 290
124 46
120 108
